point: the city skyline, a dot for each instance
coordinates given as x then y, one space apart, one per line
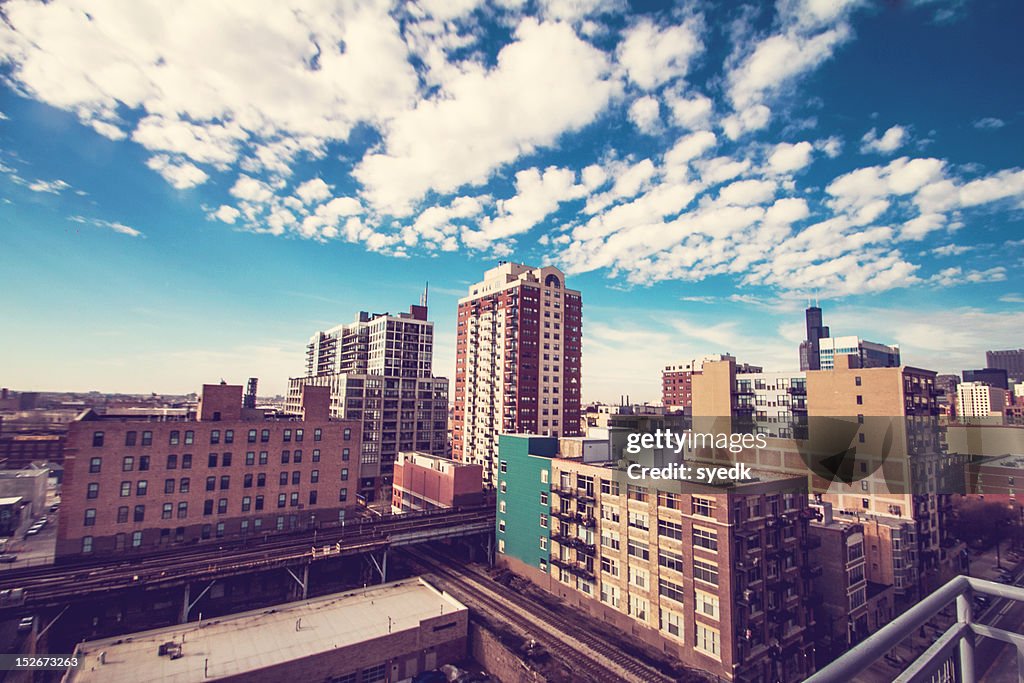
776 153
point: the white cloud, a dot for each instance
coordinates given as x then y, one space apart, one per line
831 146
645 113
575 10
692 113
786 158
252 190
180 174
545 83
48 186
952 250
989 123
754 117
313 191
747 192
890 141
119 228
653 55
226 214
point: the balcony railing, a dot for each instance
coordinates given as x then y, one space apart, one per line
952 652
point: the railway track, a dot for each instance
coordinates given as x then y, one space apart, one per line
584 654
163 568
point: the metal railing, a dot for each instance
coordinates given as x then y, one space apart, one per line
951 656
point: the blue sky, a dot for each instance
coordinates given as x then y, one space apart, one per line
188 191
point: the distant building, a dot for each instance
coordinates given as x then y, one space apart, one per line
429 482
390 632
945 393
21 450
29 485
866 354
677 380
714 576
1011 360
816 331
223 472
517 366
994 377
979 400
379 372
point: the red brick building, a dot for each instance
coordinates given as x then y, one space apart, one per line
139 483
518 361
428 482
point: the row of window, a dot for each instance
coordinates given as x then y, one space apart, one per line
176 437
168 509
128 462
183 485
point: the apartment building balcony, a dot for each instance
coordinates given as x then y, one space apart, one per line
564 515
951 657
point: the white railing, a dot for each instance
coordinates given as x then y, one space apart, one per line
951 657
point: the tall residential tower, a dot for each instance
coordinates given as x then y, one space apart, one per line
517 361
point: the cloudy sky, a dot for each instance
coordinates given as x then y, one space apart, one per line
189 190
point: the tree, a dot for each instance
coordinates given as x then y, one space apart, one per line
982 523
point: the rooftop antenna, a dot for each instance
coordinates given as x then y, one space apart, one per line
423 297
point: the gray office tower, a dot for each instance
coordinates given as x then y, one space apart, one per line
809 348
1011 360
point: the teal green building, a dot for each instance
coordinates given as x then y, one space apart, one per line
523 520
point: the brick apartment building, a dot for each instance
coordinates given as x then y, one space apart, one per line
517 366
139 483
717 577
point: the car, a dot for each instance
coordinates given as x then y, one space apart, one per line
8 558
26 624
33 531
54 507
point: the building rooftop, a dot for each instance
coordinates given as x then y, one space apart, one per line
10 500
240 643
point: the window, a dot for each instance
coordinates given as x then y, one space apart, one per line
93 491
638 607
87 544
129 438
282 500
264 435
705 507
168 486
342 495
293 500
250 458
609 594
639 520
670 529
312 497
344 474
296 477
174 438
261 480
211 483
707 640
128 464
285 457
318 434
207 507
141 488
316 455
298 435
705 571
503 466
172 462
501 526
136 539
670 560
297 456
225 460
229 436
222 506
263 457
283 479
140 513
314 476
345 453
126 489
143 463
251 438
190 437
705 538
543 476
259 502
639 550
95 464
147 438
122 514
225 482
211 460
247 481
214 436
220 529
860 400
856 380
184 485
671 622
707 604
97 439
168 511
182 510
610 539
286 435
610 487
609 565
90 514
543 498
639 577
205 533
544 520
186 461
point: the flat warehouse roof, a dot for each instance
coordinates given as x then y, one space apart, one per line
240 643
